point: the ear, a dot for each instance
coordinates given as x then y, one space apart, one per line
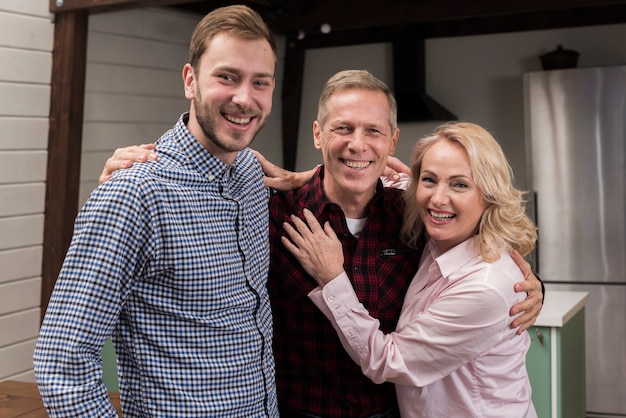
394 141
317 133
189 81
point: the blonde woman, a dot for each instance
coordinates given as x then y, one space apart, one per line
453 352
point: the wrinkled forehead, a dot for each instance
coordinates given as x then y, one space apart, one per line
358 106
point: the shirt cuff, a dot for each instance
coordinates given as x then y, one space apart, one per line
336 297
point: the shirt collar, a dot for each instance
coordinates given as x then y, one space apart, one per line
456 257
198 156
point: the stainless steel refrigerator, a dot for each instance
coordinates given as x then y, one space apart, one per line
575 129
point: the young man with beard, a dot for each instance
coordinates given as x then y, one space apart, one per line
171 258
356 130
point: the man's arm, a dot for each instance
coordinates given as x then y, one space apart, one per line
86 302
275 177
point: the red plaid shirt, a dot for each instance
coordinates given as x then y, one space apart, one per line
313 372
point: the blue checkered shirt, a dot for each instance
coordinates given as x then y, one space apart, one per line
170 259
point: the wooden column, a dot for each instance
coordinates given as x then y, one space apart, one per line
292 99
67 98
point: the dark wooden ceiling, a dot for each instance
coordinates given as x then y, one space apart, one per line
430 17
363 21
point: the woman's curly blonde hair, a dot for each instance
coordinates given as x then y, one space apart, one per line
504 225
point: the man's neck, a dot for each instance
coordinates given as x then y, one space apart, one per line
355 206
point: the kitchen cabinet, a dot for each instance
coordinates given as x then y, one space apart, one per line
109 367
556 358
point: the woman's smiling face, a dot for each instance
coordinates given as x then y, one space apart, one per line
450 203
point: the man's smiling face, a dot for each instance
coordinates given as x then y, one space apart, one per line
231 93
355 142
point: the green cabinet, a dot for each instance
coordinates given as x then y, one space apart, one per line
109 367
556 358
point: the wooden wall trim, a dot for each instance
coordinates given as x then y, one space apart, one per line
67 98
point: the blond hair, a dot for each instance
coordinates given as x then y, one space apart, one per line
356 79
504 225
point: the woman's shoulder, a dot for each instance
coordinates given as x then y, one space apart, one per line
502 275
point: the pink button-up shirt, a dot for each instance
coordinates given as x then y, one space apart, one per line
453 353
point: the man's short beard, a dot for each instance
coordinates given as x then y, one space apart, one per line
207 124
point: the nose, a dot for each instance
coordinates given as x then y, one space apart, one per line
357 141
243 95
440 195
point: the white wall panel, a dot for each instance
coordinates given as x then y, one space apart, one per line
26 39
101 107
18 296
25 66
24 199
148 53
17 358
163 25
23 133
134 80
22 166
32 7
22 231
27 32
19 326
20 263
102 136
24 100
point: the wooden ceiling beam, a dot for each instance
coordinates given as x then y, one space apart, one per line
471 26
368 14
99 6
291 16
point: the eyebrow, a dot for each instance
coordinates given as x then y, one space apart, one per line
239 71
454 177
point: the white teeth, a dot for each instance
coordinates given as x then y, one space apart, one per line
239 121
441 216
356 164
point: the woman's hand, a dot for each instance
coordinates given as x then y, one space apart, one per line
124 158
318 249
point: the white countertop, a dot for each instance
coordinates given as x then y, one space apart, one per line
560 307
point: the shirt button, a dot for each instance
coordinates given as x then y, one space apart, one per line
356 269
211 178
330 298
